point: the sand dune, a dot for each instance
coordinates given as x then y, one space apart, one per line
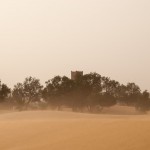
49 130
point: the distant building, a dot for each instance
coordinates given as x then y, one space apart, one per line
75 74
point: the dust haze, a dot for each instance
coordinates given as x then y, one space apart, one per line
74 74
65 130
86 111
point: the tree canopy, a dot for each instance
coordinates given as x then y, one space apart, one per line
91 91
4 92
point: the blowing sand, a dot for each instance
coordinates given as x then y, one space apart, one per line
49 130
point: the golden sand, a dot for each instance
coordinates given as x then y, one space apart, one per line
50 130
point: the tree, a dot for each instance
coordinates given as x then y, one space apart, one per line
107 100
28 91
133 93
143 104
92 84
32 89
4 92
19 94
104 95
58 91
89 90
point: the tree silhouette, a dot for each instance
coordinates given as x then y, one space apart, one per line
28 91
143 104
4 92
90 91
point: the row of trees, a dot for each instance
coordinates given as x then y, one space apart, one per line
90 91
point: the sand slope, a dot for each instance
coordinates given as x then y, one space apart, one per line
46 130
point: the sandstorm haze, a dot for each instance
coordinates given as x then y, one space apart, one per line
44 38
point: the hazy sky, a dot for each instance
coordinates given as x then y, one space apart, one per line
43 38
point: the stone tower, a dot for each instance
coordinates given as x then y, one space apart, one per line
75 74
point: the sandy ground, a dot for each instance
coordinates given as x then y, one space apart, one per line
50 130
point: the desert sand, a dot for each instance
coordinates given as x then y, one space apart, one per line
52 130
